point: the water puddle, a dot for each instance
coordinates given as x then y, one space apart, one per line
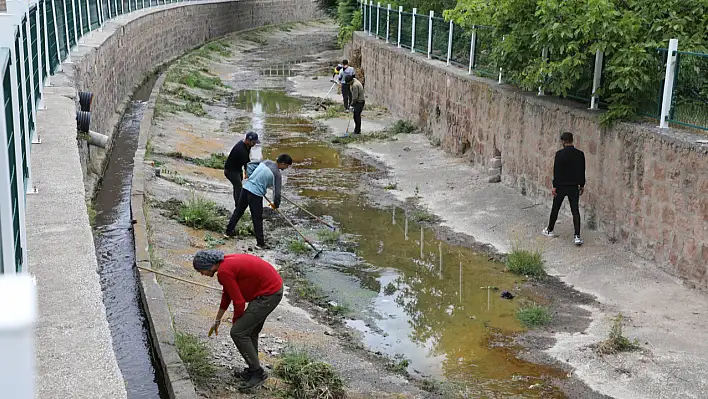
116 260
265 101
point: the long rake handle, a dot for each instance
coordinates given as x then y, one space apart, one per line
308 212
147 269
292 225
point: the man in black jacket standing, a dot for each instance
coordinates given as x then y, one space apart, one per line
239 157
568 181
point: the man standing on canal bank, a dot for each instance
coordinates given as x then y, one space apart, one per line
239 157
260 177
358 100
568 180
344 73
244 278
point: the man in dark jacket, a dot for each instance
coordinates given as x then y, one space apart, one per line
568 181
239 157
245 278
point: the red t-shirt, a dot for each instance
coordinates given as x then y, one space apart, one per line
245 277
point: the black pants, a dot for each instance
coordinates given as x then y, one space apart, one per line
246 328
235 179
255 204
573 194
346 95
358 107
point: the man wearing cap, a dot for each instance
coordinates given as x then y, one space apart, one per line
239 157
358 101
346 92
261 176
244 278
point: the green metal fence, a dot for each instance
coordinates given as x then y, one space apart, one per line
689 105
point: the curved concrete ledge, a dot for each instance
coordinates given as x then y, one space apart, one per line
75 355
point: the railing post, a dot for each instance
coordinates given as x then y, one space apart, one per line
449 43
81 21
40 58
371 5
56 35
363 7
17 341
388 18
32 111
596 79
378 10
415 10
668 83
7 234
66 32
500 68
430 34
544 56
473 48
101 16
47 81
73 13
122 7
400 15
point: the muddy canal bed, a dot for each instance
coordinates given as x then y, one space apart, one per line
400 307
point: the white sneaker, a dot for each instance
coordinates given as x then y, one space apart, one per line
578 241
547 233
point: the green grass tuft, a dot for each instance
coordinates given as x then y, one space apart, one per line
525 262
328 236
309 378
91 213
195 108
298 247
197 79
201 213
215 161
616 342
402 127
534 316
195 356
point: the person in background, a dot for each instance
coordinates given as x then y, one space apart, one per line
264 175
244 278
239 157
346 92
358 100
568 181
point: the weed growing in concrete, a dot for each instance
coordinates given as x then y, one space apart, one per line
534 316
148 151
328 236
201 213
195 356
391 186
212 241
525 262
164 107
361 138
333 112
435 141
298 247
219 47
338 310
402 127
399 364
390 289
309 378
197 79
420 215
182 93
195 108
616 342
91 213
215 161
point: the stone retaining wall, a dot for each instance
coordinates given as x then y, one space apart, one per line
647 188
113 63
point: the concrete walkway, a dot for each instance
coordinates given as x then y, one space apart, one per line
75 357
668 319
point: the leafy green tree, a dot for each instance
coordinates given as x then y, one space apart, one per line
627 31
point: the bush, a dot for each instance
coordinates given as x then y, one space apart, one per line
196 79
534 316
298 247
309 378
403 127
616 342
201 213
195 356
195 108
525 262
215 161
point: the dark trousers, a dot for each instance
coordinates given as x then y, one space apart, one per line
246 328
358 108
573 194
255 204
235 179
346 95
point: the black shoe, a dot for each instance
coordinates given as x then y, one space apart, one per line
256 379
230 234
244 374
263 246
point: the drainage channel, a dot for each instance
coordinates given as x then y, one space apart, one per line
113 238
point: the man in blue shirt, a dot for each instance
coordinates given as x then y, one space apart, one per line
346 90
259 177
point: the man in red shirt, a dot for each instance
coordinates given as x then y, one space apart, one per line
245 278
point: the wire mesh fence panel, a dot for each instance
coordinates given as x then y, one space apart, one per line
650 105
9 141
689 105
381 27
34 61
393 27
441 31
406 26
484 45
20 87
461 40
93 14
42 22
70 21
83 17
27 88
421 34
51 35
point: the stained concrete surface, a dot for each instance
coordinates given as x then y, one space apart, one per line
74 350
668 319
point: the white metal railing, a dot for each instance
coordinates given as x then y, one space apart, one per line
442 40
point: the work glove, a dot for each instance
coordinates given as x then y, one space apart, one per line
215 328
272 206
